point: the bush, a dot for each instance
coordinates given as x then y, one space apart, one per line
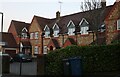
94 58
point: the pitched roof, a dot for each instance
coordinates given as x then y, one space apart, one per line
19 25
76 18
69 41
54 43
8 39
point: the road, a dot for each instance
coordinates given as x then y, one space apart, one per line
28 68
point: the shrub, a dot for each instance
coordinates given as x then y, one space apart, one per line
94 58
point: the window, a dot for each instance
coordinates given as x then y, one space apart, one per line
31 35
24 36
36 50
47 34
118 24
47 31
45 50
56 33
55 30
71 31
71 28
84 30
36 35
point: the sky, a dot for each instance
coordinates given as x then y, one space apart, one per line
24 10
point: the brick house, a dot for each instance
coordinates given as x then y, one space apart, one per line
8 43
20 31
113 23
74 29
44 34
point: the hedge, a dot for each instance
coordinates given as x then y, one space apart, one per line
94 58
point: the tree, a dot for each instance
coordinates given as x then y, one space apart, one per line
90 5
95 9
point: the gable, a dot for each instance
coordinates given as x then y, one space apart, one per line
46 28
69 42
55 27
24 29
12 29
54 43
71 24
34 26
83 23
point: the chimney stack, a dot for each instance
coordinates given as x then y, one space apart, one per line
103 3
58 15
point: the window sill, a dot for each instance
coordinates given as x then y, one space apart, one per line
84 34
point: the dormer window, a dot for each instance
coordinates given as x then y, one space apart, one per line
71 28
55 30
24 33
84 26
84 30
118 24
47 31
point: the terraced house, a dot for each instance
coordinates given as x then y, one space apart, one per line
44 34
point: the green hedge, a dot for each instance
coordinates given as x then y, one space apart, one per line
94 58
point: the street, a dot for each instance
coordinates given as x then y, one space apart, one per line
28 68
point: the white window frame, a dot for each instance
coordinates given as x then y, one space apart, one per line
36 35
47 33
55 32
45 50
31 35
118 24
36 50
71 30
84 30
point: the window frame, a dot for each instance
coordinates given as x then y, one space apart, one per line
36 35
84 30
32 36
36 50
24 35
45 48
71 30
47 33
56 32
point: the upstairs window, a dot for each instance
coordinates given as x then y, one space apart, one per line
24 35
55 30
36 35
84 30
84 26
71 28
118 24
31 35
47 31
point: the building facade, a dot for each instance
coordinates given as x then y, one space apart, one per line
98 26
20 31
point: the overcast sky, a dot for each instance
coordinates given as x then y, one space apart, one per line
24 10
